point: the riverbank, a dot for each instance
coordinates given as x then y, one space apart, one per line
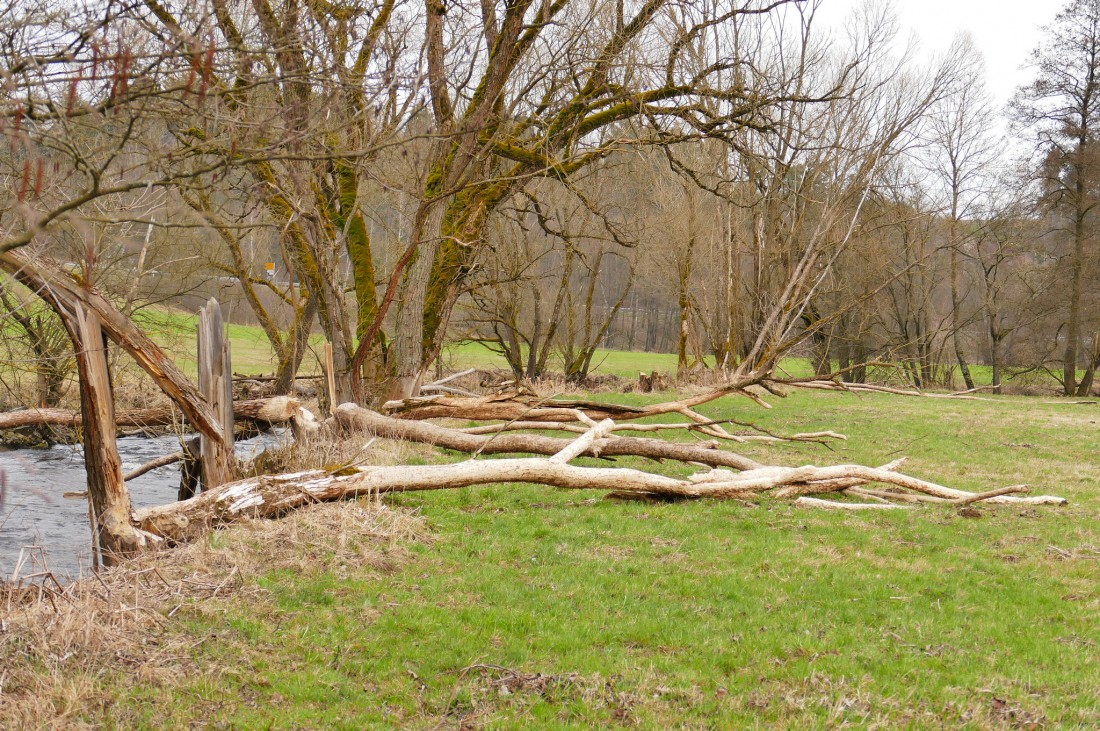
62 649
518 606
38 522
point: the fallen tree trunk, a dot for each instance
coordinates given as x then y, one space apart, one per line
355 418
811 502
272 496
275 410
788 481
579 428
527 407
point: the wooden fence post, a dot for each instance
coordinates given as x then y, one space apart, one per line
216 387
107 493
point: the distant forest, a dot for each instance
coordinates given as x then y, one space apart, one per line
729 182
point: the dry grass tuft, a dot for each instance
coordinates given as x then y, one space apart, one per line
58 644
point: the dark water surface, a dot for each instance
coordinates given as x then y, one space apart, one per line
42 529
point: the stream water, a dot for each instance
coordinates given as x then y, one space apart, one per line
40 529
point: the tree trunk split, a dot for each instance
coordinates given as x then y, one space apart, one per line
114 534
216 385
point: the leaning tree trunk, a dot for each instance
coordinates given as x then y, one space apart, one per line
1090 372
58 289
337 329
294 350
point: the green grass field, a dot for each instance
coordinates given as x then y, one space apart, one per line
527 607
537 608
621 363
252 353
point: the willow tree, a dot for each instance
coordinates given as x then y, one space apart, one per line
527 89
306 95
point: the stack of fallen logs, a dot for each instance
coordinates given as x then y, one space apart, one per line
723 474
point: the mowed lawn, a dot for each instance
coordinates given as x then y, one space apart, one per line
530 607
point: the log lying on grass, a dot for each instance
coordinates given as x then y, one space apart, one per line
522 406
787 481
353 418
837 385
577 428
275 410
516 406
271 496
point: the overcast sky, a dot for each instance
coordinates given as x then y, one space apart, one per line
1004 30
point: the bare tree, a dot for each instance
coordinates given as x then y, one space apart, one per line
916 326
310 94
1061 107
961 150
812 180
538 98
1013 279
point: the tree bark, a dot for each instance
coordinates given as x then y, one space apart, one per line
216 385
995 352
115 536
409 334
956 320
295 347
1085 386
1077 265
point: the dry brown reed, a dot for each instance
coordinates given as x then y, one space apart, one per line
62 647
